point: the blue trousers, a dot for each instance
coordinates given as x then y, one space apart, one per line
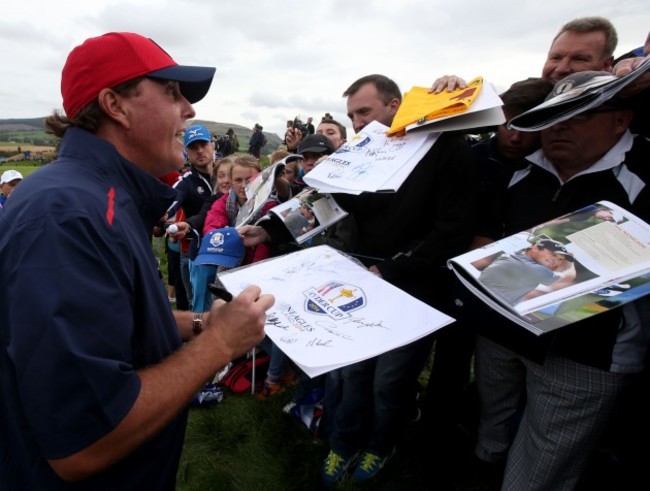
367 403
201 275
278 362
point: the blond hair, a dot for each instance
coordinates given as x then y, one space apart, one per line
278 155
247 161
223 161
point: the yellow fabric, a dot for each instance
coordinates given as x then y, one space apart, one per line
420 106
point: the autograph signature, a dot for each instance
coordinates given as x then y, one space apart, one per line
333 329
276 322
324 343
362 323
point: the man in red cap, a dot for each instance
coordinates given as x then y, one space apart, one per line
94 385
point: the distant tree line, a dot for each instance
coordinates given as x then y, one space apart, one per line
31 137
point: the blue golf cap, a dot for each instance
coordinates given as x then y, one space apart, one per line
196 133
221 247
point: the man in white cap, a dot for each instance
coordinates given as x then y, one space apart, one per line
8 181
94 384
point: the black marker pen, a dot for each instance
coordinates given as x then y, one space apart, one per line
220 292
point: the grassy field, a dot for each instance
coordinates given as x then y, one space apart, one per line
14 152
24 168
244 444
10 146
26 137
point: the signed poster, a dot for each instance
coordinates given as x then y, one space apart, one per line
371 161
330 312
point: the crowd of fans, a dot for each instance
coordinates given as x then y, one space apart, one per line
540 407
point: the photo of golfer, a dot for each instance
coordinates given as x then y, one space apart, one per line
301 220
543 267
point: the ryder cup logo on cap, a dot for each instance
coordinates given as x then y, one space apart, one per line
106 61
196 133
221 247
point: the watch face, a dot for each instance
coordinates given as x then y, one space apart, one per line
197 325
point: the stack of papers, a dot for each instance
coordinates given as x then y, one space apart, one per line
475 106
371 161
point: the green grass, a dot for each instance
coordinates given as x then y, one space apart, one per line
24 167
36 137
246 444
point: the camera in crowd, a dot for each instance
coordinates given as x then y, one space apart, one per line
298 124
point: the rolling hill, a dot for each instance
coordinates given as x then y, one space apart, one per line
30 131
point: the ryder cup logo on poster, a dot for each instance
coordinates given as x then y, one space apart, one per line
334 299
357 143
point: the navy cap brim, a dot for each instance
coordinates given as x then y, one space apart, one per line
292 157
194 81
197 139
217 260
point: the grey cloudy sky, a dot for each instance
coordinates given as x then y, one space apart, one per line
279 59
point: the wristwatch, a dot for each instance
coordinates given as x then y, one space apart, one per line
197 324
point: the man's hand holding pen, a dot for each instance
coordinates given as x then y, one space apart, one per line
238 324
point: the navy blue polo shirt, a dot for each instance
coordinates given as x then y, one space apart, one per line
82 308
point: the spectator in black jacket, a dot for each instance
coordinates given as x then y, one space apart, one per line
257 141
194 188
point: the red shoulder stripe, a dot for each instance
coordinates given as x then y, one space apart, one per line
110 210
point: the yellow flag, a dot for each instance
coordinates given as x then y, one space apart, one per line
419 106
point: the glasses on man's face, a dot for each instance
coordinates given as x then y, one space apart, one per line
587 115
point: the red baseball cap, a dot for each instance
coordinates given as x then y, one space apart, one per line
117 57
